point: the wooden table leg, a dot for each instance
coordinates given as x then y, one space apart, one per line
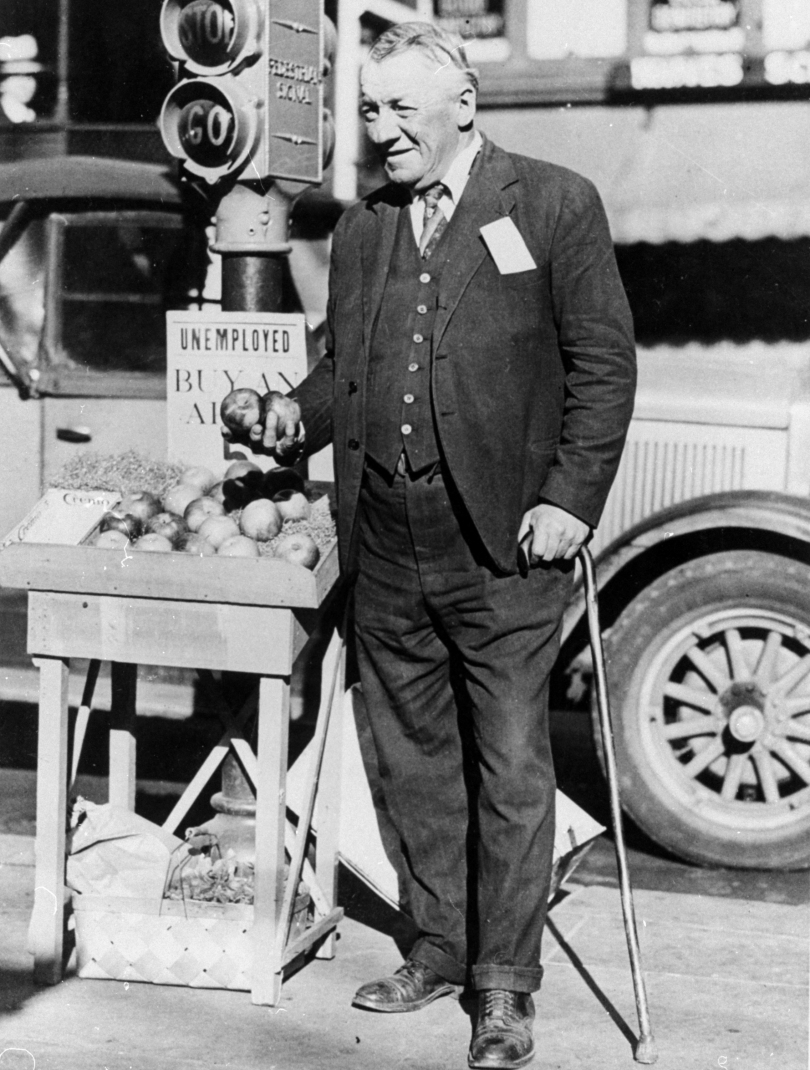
46 931
274 724
327 809
122 735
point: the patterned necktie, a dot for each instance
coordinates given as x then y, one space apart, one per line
435 220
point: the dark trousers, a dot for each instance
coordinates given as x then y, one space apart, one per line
454 662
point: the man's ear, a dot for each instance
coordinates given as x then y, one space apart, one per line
466 107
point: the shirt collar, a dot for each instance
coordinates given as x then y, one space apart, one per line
457 174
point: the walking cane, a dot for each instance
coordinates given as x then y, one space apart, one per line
646 1051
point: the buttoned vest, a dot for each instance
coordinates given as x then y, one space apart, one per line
399 414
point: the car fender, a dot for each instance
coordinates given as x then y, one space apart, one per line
762 513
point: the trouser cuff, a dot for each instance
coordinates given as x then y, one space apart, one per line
438 960
512 978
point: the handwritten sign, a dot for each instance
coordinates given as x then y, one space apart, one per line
209 354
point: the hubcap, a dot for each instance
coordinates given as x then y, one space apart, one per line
728 705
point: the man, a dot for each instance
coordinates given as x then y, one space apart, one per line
478 382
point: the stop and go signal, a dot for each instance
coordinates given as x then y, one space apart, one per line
249 100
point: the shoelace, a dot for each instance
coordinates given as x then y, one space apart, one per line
499 1003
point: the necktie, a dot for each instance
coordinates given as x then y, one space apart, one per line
435 220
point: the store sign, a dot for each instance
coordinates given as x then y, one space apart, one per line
209 354
787 68
480 22
691 44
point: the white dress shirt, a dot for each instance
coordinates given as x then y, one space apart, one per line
455 180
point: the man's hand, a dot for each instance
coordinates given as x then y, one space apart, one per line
548 533
279 430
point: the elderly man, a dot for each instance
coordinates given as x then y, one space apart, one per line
478 384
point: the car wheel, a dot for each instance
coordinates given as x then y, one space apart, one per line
709 683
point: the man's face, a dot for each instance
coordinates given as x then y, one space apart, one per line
414 109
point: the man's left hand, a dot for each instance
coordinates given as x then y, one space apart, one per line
549 533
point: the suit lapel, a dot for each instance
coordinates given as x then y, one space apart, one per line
488 195
378 246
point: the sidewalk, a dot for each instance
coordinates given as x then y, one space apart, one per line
727 982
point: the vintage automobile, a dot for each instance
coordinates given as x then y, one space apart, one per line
703 552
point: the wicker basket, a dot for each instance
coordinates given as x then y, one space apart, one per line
170 942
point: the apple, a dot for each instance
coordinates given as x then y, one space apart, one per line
237 469
117 520
193 543
292 504
198 511
298 549
112 539
260 520
140 504
278 479
238 546
170 525
240 410
153 544
239 490
179 497
200 476
216 529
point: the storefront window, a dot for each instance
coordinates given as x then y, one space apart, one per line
582 28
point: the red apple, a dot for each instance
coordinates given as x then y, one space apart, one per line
238 546
292 504
179 497
238 469
199 476
117 520
112 539
170 525
194 543
298 549
198 511
279 479
240 410
140 504
153 544
260 520
216 529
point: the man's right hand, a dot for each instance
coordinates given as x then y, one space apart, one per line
279 431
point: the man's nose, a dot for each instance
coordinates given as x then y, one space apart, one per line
385 128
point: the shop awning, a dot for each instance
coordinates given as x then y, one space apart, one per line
680 172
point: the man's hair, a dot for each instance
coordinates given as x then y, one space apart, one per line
440 45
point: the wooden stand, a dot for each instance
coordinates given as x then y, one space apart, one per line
215 614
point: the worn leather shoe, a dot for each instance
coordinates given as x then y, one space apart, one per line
503 1033
412 987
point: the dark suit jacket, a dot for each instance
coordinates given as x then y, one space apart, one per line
533 373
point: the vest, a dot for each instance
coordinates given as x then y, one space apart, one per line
399 411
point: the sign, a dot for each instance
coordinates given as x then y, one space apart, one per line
63 517
209 354
480 23
250 91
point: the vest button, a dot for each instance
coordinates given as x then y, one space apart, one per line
413 367
406 429
418 338
352 387
408 399
421 309
353 444
424 277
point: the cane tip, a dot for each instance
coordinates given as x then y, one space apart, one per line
646 1051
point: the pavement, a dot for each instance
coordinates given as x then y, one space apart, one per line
727 981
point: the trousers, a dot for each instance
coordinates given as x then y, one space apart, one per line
454 661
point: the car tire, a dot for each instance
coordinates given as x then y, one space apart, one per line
709 683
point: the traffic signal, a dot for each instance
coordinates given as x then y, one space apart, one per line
249 98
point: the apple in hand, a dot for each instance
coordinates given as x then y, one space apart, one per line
240 411
140 504
298 549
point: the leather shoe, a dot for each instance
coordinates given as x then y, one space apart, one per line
503 1033
412 987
